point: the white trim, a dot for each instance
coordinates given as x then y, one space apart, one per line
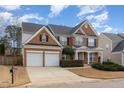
116 52
51 29
42 47
106 36
91 27
31 51
52 52
80 30
41 29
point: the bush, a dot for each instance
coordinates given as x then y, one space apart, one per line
68 50
108 66
71 63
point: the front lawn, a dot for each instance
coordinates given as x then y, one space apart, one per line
97 74
108 66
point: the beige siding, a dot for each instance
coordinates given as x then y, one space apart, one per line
123 59
25 37
103 42
117 58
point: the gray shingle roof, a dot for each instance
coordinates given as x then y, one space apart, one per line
121 35
114 37
119 47
30 28
76 27
58 29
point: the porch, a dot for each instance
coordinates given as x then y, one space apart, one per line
89 55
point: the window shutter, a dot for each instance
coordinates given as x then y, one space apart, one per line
58 38
87 42
96 43
46 38
40 38
67 40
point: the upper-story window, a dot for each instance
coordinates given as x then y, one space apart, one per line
91 42
79 41
63 40
44 38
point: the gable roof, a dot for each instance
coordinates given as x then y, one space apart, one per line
119 47
41 29
114 37
58 29
77 26
31 28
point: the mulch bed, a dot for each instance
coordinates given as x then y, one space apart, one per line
97 74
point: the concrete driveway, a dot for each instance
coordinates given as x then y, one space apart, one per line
44 76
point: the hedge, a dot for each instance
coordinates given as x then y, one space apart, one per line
108 66
71 63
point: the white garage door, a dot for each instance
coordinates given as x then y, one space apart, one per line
34 58
51 58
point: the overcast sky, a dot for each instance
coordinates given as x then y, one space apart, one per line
103 18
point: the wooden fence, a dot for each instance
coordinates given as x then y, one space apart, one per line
11 60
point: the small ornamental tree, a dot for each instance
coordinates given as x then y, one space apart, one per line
67 51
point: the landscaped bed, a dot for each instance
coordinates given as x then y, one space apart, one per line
108 66
21 76
97 74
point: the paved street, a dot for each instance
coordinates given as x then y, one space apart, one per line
117 83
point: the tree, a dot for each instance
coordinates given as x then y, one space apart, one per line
14 34
67 51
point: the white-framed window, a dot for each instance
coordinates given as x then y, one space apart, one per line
63 40
43 38
79 41
92 57
91 42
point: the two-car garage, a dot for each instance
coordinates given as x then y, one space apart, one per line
42 58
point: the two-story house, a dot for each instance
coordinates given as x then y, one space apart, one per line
113 45
43 44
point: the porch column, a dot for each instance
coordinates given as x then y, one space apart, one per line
76 55
101 54
88 57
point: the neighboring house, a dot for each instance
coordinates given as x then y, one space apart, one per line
42 45
113 45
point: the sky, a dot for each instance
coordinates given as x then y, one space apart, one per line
108 19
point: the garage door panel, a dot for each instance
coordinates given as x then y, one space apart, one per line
51 59
34 59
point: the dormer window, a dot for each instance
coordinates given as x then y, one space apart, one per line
44 38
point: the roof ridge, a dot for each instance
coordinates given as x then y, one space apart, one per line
33 23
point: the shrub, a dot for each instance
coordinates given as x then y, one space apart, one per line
71 63
68 50
108 66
